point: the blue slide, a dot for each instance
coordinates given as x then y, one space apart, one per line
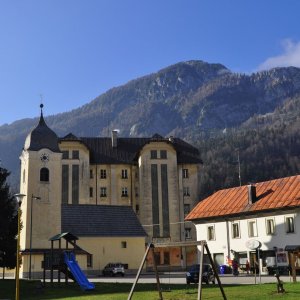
77 272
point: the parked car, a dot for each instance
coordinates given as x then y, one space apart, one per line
113 269
192 276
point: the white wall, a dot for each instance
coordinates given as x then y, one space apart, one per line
224 241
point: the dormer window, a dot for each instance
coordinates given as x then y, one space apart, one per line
153 154
163 154
44 175
75 154
65 154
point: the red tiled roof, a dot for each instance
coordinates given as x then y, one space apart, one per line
275 194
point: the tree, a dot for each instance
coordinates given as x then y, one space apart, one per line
8 224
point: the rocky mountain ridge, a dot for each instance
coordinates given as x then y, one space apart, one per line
188 100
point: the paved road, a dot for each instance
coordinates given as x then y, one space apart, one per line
179 278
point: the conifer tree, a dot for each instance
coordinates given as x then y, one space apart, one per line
8 224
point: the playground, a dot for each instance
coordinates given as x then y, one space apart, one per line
32 290
62 262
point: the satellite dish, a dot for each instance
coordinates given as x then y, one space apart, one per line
253 244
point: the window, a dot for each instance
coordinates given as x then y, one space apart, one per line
124 192
23 175
75 184
187 233
153 154
235 230
185 173
137 208
75 154
91 174
252 228
123 244
290 228
187 209
186 191
103 192
102 173
91 192
136 191
124 174
163 154
65 184
44 175
89 260
270 226
65 155
210 233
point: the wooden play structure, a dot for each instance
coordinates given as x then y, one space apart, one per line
63 261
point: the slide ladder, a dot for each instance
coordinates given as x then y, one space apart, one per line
79 276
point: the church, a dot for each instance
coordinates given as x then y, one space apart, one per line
114 194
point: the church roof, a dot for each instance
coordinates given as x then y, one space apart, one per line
41 137
101 220
127 150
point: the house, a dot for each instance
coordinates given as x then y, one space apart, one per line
239 222
156 178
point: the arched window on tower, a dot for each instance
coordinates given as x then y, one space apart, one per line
44 175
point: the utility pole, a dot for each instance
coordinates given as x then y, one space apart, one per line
239 166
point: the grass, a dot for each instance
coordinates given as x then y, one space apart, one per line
30 290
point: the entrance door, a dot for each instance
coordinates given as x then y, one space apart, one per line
253 262
166 258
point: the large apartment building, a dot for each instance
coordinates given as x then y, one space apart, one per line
157 177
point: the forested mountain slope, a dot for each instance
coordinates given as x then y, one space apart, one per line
221 112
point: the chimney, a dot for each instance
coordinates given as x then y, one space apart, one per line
114 138
171 139
251 193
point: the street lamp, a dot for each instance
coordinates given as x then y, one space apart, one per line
30 242
19 198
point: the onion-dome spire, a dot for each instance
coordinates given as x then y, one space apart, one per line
42 121
42 137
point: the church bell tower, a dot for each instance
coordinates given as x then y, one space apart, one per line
40 182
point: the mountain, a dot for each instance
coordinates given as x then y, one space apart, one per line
206 104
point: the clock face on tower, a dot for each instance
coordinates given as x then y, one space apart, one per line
45 157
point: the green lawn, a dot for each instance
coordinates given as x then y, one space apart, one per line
118 291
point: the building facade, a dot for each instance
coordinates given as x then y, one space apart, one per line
157 177
254 223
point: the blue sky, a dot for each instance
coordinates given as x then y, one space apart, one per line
71 51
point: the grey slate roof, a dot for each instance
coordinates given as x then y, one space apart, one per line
101 220
127 150
42 137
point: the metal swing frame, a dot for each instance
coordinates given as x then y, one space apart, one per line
150 248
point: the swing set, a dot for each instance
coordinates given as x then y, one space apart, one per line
150 249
